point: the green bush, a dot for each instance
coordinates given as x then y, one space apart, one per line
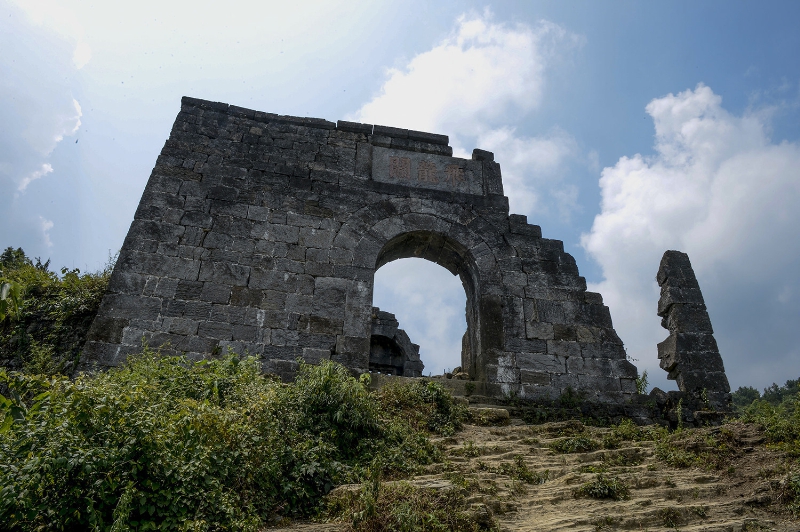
790 492
163 443
44 325
426 405
744 396
518 470
627 430
400 506
575 444
604 487
781 422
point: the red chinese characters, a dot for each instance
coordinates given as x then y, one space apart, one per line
399 167
426 171
453 174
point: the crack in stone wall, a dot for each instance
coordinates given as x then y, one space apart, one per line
262 233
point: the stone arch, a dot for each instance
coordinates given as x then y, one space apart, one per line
262 233
442 250
413 230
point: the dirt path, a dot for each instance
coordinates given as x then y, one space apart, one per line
512 473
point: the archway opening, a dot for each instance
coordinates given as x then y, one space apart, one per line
421 317
434 299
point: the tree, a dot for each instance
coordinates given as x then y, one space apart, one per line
13 259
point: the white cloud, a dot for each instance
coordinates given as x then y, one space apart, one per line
81 55
36 174
718 189
472 85
37 111
45 226
532 168
482 73
46 128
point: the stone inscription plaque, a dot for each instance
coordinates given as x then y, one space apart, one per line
425 170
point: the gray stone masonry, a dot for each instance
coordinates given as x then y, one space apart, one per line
391 351
690 354
262 233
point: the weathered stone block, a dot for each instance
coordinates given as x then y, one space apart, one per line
224 273
182 326
216 293
563 348
541 362
541 331
688 318
590 366
216 330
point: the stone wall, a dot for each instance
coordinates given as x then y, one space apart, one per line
262 233
690 354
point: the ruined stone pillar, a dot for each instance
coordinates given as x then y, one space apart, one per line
690 353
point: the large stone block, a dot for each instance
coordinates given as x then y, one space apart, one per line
541 362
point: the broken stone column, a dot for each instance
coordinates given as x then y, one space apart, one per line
690 353
391 350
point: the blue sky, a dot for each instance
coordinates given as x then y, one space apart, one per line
623 129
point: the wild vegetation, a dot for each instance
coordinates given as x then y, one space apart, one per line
44 317
166 443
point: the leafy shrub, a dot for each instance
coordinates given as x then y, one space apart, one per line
518 470
627 430
400 506
575 444
790 492
642 382
604 487
744 396
45 316
781 422
671 517
682 448
164 443
425 405
777 394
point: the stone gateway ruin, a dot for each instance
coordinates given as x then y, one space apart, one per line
262 233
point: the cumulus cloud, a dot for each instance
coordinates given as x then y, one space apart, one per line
719 189
475 85
45 226
482 73
533 168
